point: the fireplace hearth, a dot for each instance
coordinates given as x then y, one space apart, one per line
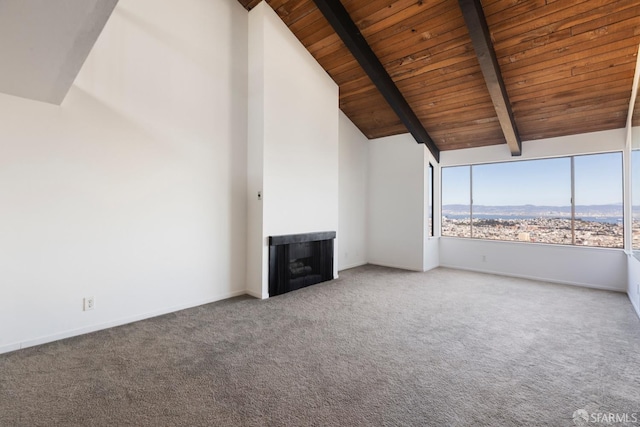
299 260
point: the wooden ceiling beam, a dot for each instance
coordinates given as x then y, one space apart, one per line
339 18
481 39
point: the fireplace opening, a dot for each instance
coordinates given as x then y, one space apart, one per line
299 260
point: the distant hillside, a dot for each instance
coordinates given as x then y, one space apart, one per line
614 210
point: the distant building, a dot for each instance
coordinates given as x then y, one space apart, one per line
524 237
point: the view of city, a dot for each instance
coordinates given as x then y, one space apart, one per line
594 225
531 201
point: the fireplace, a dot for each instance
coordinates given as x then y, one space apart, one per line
299 260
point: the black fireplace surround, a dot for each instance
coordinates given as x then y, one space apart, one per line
299 260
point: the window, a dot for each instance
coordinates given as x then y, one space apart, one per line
569 200
430 230
598 200
526 201
456 201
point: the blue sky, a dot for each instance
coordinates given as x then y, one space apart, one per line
538 182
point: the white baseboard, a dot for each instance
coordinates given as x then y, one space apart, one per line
399 267
9 348
123 321
431 267
254 294
540 279
634 304
119 322
353 265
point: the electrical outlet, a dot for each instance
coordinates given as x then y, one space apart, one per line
89 303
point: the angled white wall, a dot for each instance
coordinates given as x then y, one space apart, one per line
591 267
44 44
293 138
353 177
134 190
633 279
633 285
390 221
396 205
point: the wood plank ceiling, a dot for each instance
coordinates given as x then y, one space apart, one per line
567 65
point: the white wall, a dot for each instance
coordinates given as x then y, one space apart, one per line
635 138
431 251
591 267
44 44
255 153
633 286
134 190
586 143
353 176
633 279
298 116
396 206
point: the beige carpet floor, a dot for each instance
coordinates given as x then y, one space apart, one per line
377 347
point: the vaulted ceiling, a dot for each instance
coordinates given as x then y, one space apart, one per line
567 65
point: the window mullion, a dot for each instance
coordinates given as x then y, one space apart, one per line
471 200
573 201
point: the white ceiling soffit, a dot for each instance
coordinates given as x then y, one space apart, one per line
43 44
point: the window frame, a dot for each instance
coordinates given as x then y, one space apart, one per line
431 231
572 184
